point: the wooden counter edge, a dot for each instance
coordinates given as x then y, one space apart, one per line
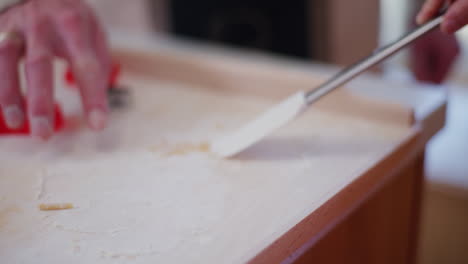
315 226
310 230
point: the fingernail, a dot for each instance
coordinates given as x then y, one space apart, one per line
14 116
450 25
41 127
97 119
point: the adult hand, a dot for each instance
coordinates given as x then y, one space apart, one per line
40 30
455 18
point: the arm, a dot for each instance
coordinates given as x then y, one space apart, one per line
433 56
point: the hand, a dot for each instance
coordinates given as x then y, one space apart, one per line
455 18
45 29
432 56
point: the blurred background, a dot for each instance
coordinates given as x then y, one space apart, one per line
336 32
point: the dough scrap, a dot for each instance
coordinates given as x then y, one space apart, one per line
184 149
55 207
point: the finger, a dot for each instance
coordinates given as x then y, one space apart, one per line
101 45
429 10
10 94
456 17
78 36
75 32
39 75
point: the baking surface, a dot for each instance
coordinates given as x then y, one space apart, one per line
147 188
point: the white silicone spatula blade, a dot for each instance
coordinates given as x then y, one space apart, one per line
260 127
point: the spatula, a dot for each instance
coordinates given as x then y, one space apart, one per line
278 116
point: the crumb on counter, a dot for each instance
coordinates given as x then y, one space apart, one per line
183 149
56 206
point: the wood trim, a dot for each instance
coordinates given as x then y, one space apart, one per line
418 198
382 230
318 224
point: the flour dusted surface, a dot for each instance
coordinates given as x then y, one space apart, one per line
140 198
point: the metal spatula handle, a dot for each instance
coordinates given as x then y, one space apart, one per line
376 57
